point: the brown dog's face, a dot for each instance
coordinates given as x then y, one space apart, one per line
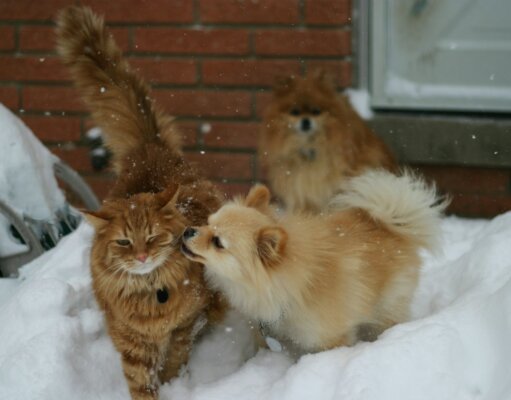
302 115
240 243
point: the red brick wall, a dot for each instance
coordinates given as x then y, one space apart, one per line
211 63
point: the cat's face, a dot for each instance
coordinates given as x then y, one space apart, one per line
138 234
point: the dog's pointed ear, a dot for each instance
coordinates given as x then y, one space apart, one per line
98 219
271 245
283 85
168 198
258 197
324 79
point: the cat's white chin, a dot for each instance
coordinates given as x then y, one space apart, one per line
145 268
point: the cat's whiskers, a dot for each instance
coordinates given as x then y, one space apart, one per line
105 277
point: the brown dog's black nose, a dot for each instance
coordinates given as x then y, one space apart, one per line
189 232
306 124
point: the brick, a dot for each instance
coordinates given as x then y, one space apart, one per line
255 12
157 70
188 132
230 189
77 158
143 11
6 38
247 72
233 135
100 184
121 37
190 41
29 68
340 71
9 97
223 165
304 43
50 98
479 205
327 12
197 103
453 179
38 10
263 99
261 171
54 129
42 38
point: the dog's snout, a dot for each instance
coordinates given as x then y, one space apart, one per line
306 124
189 232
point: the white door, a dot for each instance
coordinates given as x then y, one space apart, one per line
441 54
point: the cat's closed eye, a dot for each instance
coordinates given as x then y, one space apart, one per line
151 239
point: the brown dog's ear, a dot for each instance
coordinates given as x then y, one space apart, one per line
258 197
324 78
98 219
271 244
283 85
168 198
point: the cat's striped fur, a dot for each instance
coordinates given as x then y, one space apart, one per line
154 299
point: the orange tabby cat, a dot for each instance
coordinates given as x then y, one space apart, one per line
154 299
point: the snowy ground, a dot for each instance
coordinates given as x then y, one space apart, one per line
53 343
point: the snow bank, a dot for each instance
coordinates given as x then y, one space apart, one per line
53 343
27 181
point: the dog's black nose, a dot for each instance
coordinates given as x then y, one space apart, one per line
189 232
306 124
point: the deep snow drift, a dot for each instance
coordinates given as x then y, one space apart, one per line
53 343
27 182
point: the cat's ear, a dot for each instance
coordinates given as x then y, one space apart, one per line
98 219
271 245
168 198
258 197
283 85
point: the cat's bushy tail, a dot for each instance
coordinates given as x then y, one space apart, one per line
117 98
405 203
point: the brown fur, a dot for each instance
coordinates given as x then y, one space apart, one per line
155 196
316 280
305 168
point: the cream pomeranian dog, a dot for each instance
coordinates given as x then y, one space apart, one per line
319 281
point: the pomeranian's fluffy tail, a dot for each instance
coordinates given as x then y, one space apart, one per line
406 204
117 98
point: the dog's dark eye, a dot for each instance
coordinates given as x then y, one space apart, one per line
295 111
123 242
315 111
216 242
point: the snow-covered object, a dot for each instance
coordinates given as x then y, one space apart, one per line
399 86
361 102
27 181
94 133
53 343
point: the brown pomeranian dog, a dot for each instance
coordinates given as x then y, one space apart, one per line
312 139
319 281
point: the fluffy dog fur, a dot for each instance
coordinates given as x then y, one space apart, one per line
154 299
312 139
318 280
